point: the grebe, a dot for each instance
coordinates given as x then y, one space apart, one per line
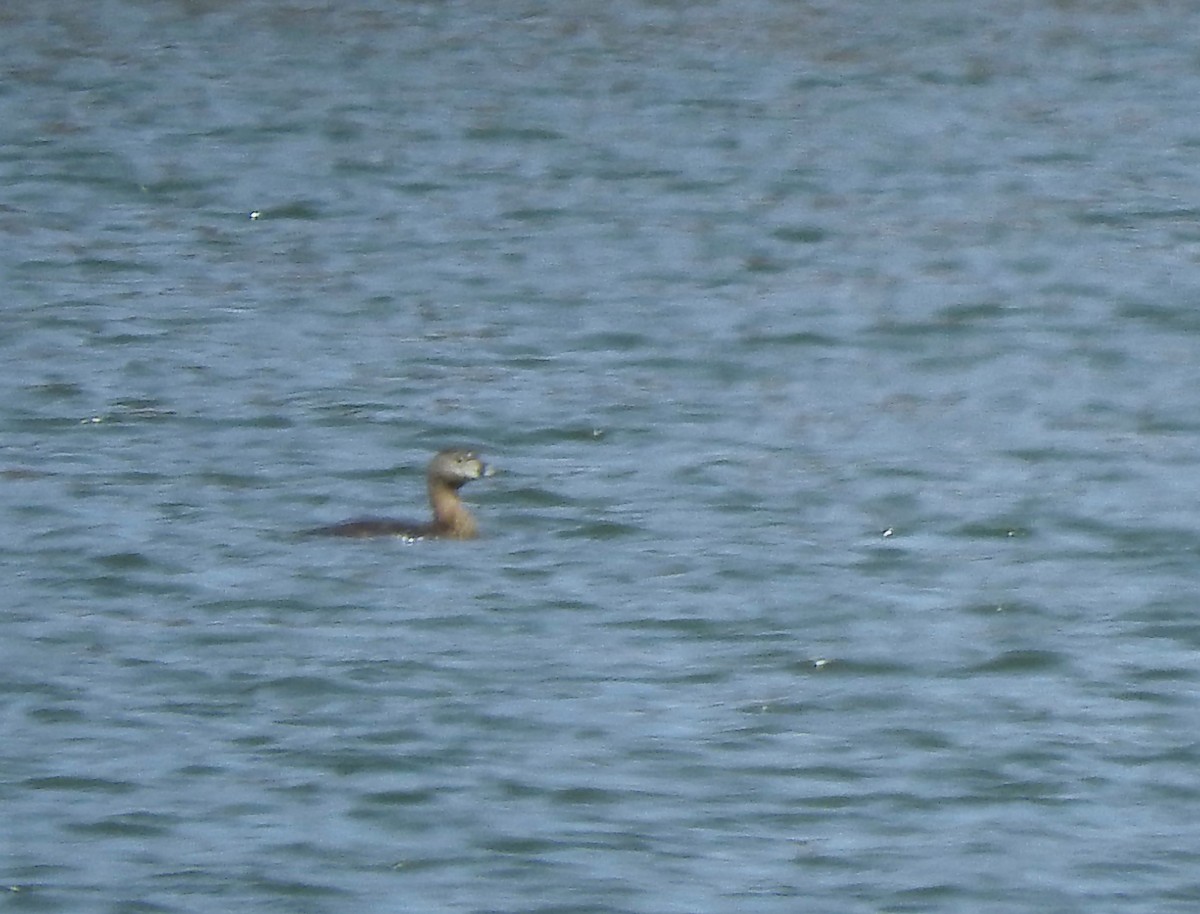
448 472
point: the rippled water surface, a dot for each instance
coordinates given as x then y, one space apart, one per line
840 363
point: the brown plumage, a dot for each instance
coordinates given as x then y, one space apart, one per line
448 472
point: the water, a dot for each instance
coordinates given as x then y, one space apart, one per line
839 361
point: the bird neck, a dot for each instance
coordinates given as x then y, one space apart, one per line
450 515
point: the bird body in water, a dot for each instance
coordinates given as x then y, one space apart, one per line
448 472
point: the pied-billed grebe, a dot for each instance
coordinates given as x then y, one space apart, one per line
448 472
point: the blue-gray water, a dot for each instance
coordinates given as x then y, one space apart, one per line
841 362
